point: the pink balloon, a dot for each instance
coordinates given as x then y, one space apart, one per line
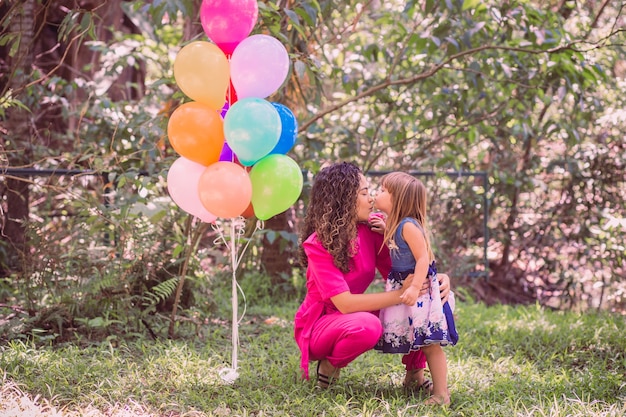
259 66
182 180
228 22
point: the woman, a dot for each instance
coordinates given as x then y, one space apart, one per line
337 321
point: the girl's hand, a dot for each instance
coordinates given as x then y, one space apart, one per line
377 223
410 295
425 287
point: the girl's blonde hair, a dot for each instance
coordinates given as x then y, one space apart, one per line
408 199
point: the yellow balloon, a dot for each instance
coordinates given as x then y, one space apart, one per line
201 70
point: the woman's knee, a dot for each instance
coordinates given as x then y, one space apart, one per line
369 328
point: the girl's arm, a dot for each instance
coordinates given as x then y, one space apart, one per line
417 243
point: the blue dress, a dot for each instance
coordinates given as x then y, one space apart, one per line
407 328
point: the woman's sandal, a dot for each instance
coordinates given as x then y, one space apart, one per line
324 381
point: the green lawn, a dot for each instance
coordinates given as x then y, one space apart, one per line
510 361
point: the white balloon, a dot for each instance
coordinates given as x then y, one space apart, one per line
258 66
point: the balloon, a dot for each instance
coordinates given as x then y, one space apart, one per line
231 94
201 70
196 132
228 22
225 189
182 179
227 154
249 212
225 108
289 130
276 185
252 129
259 66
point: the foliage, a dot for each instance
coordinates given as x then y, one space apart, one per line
524 94
510 89
517 361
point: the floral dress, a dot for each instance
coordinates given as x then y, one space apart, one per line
428 321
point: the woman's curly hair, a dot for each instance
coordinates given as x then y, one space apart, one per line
332 212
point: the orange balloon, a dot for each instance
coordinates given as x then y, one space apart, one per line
202 71
196 132
225 189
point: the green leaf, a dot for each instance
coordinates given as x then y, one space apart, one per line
470 4
293 16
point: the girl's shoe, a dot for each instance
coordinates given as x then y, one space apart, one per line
411 382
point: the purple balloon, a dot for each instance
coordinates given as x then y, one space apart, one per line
224 110
227 154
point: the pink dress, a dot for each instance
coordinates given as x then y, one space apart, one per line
325 280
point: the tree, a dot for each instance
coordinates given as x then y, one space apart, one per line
20 126
510 88
46 49
513 89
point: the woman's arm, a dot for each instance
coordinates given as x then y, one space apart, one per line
330 280
346 302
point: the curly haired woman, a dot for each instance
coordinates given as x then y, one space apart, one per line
341 249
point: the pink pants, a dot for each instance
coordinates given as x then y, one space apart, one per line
341 338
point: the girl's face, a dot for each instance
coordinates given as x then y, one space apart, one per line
364 201
383 201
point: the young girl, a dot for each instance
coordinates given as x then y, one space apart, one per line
420 322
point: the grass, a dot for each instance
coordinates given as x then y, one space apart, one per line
510 361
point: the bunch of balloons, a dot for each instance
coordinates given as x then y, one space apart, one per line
232 141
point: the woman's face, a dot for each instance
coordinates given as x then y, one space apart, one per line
364 201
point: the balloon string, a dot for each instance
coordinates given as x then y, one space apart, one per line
237 230
235 334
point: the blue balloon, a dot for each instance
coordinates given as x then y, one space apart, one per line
289 130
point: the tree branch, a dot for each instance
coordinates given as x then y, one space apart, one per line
432 71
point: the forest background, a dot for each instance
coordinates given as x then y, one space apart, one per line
512 112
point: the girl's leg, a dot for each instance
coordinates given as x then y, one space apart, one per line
337 339
415 362
436 358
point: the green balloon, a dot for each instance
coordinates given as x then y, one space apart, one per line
276 185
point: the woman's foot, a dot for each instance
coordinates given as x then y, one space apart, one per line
414 380
326 374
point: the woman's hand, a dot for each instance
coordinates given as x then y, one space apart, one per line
444 286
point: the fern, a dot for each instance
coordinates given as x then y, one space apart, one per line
103 282
162 291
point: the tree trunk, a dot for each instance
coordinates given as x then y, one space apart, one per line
276 255
19 125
